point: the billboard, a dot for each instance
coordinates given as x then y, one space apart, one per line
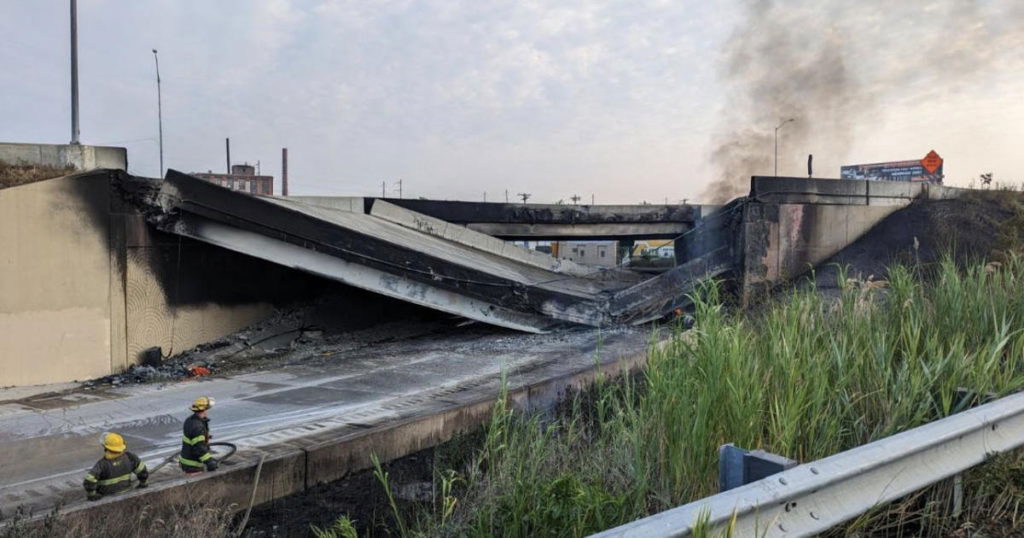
927 169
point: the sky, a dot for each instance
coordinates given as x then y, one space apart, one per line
617 101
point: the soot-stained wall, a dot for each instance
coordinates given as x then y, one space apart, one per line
55 282
85 284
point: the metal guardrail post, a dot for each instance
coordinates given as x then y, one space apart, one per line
738 467
815 496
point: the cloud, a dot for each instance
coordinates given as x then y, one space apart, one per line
620 98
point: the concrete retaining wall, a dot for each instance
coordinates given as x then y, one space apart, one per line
83 158
793 224
79 296
782 190
55 277
784 241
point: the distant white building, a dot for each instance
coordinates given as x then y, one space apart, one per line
601 253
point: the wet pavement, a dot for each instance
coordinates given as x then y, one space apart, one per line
47 442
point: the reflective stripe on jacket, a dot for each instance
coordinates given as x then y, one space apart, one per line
114 475
195 443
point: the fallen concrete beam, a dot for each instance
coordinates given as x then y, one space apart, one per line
360 276
654 298
480 241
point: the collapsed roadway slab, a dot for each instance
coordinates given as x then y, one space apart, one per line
399 253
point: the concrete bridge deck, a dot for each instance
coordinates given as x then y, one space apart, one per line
562 221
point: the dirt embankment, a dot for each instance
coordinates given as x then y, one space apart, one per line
12 175
980 226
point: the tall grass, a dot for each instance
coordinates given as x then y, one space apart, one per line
807 376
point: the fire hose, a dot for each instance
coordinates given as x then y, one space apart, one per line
231 449
230 452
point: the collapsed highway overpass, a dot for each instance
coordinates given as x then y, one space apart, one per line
98 267
387 249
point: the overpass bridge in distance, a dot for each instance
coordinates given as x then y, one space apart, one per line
533 222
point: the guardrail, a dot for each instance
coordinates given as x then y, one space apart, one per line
816 496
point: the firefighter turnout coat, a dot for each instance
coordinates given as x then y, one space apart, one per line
113 474
195 444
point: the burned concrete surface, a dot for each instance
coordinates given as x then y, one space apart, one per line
86 284
559 221
470 212
315 419
792 225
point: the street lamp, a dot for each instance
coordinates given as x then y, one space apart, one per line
74 72
159 112
779 126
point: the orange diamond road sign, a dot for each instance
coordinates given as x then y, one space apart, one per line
931 162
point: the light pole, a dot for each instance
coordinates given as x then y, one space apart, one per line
74 72
777 144
160 112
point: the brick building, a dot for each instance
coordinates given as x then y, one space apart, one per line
242 178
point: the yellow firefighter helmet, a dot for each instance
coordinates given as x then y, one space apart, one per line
113 442
202 403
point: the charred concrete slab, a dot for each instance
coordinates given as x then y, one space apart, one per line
653 298
465 274
383 247
557 221
478 212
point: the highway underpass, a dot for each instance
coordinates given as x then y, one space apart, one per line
316 419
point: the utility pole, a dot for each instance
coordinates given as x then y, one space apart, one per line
399 189
227 150
159 112
383 189
591 198
525 196
74 72
506 196
485 196
284 171
776 174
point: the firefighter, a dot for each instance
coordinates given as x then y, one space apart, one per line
113 473
195 443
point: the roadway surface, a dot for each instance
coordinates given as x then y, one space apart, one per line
48 441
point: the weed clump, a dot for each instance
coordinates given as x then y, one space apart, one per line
807 376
